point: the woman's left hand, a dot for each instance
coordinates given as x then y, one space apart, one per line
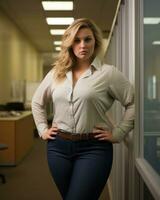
102 134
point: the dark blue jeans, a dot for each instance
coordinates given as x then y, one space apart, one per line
80 169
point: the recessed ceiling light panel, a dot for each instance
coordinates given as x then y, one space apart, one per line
57 48
59 20
57 42
57 5
57 31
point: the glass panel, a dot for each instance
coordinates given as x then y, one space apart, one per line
152 83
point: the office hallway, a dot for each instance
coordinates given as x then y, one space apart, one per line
31 180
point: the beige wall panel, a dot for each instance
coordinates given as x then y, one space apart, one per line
19 60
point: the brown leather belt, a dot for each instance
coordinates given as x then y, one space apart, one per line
75 136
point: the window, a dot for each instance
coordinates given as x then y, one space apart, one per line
152 83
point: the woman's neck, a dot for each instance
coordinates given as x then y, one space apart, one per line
82 65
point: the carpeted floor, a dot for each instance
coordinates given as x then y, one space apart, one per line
31 180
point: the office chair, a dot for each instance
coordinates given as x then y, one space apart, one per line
2 176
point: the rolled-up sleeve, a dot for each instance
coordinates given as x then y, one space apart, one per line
41 96
122 90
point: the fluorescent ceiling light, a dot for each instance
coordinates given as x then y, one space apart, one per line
59 20
57 5
57 48
156 42
57 31
151 20
57 42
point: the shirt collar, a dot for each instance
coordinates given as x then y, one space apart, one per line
85 74
96 63
69 75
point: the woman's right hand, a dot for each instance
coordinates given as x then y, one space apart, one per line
50 133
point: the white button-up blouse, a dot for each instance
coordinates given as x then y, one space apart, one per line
80 108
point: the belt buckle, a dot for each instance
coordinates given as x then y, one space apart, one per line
86 136
81 136
72 137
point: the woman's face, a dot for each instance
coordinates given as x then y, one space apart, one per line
84 44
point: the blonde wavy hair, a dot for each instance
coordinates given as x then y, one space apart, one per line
66 58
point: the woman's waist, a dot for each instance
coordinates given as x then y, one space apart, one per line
80 129
75 136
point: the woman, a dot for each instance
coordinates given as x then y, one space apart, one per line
82 89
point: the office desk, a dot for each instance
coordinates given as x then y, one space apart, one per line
17 133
